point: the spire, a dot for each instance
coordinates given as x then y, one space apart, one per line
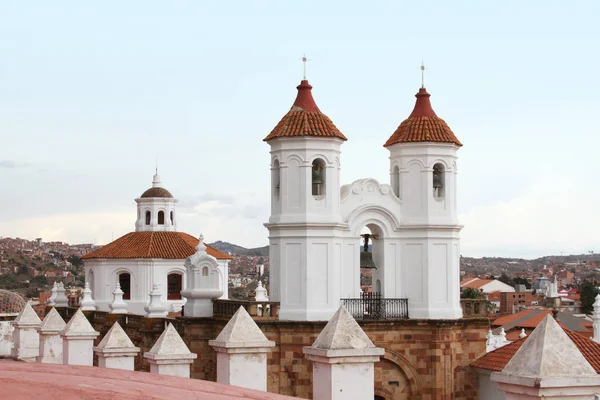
422 105
304 99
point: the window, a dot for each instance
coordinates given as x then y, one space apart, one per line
172 218
276 178
174 286
125 282
438 181
205 271
318 178
396 181
161 217
148 216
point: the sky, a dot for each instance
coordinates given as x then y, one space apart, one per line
93 93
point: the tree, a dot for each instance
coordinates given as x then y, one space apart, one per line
504 278
470 293
588 293
517 280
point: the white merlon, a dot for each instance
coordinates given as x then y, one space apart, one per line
242 352
61 298
596 319
548 365
170 355
522 334
52 298
155 308
116 350
343 360
118 306
25 336
78 340
51 344
87 302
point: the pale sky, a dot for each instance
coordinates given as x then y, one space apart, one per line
92 92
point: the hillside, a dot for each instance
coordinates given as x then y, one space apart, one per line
235 249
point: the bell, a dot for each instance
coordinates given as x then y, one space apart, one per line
317 178
366 260
437 181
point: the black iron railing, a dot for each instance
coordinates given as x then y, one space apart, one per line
374 306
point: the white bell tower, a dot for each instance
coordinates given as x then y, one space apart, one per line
423 154
304 228
156 209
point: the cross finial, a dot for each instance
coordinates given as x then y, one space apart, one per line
305 61
156 169
422 74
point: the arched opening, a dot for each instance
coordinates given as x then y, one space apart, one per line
161 217
174 286
318 179
371 260
205 271
125 283
90 281
172 218
395 181
276 179
148 217
438 181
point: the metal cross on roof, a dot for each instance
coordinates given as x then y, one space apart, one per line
422 74
305 61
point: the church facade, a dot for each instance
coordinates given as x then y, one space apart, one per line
316 222
154 254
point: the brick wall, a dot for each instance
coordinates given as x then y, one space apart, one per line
423 359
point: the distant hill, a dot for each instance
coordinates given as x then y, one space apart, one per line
235 249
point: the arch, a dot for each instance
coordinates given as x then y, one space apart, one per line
395 180
414 383
416 161
294 157
148 217
161 217
439 180
440 161
174 285
318 177
124 279
322 157
90 280
204 271
276 178
373 214
172 215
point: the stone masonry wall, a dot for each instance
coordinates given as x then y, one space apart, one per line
424 360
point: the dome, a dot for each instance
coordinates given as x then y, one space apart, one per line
11 302
423 125
156 192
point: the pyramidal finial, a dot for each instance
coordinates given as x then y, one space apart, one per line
548 352
342 332
522 334
79 325
27 316
240 328
169 343
201 246
53 322
116 338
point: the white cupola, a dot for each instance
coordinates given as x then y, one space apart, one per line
156 209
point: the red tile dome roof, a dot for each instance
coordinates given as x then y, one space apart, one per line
305 119
423 125
156 192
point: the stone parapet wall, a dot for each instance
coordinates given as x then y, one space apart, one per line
424 359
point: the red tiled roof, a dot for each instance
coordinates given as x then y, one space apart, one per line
476 283
496 360
171 245
305 119
423 125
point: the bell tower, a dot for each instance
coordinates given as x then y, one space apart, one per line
423 175
305 223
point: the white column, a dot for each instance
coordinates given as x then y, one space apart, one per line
118 306
343 359
242 353
78 341
87 302
116 350
51 344
25 336
170 355
596 319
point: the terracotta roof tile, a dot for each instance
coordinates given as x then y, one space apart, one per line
496 360
477 283
423 125
305 119
171 245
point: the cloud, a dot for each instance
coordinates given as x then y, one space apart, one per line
12 164
556 214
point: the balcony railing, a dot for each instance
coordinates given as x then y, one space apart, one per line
256 309
374 306
474 308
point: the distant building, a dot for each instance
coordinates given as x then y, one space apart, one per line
486 286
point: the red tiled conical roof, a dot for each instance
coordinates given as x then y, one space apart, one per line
305 119
171 245
423 125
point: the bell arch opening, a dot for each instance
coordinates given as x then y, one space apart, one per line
371 259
